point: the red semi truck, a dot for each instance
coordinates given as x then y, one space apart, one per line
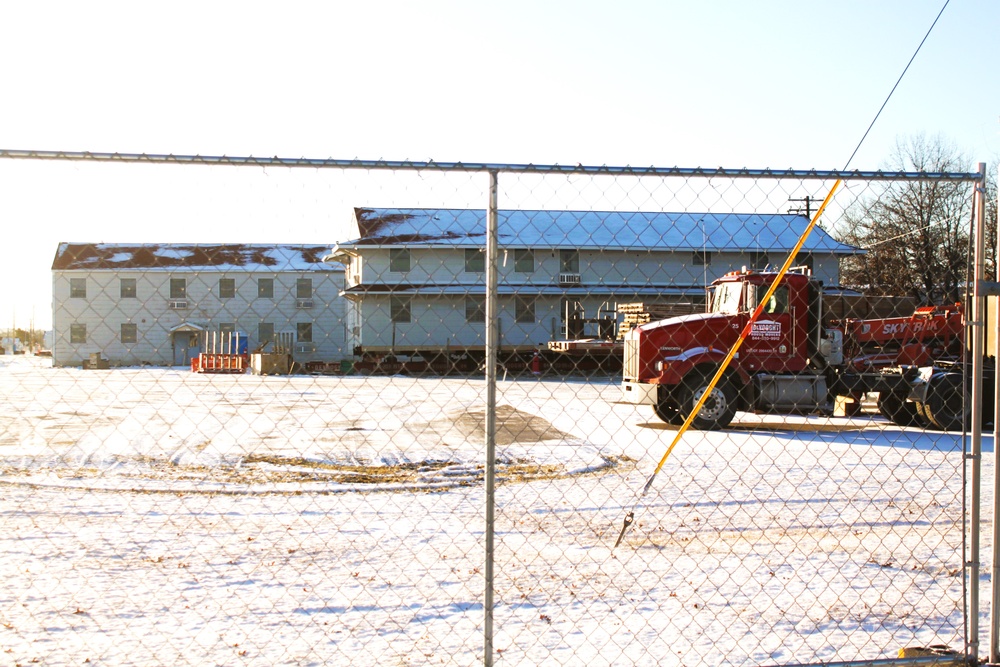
795 359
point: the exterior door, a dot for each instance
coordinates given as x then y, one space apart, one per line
186 347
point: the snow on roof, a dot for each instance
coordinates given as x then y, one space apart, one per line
192 257
592 229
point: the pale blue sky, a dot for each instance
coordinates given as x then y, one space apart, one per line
759 84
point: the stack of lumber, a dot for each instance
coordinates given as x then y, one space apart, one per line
634 314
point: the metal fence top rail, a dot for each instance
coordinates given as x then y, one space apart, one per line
331 163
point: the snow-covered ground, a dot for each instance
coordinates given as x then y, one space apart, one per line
155 516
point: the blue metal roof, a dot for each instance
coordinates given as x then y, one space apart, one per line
714 232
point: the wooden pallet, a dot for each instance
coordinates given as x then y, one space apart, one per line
207 362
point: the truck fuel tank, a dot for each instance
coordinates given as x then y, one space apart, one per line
791 392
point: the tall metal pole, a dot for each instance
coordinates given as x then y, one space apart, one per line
492 339
977 327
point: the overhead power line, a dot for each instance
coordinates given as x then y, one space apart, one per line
905 69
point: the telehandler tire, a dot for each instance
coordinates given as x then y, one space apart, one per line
899 411
945 405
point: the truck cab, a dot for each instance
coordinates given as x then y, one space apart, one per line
781 364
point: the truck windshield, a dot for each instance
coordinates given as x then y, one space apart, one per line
726 299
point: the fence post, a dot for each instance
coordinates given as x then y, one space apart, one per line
491 413
976 330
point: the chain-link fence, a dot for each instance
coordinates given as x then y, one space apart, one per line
316 453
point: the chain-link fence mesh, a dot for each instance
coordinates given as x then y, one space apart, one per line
274 453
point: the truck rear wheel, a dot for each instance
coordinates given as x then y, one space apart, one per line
719 408
898 410
945 405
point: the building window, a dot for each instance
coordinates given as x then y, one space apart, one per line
757 260
569 261
524 309
804 259
78 288
399 260
227 327
701 258
304 288
129 332
127 288
475 260
399 308
475 309
227 288
304 331
265 332
77 333
524 261
178 288
265 288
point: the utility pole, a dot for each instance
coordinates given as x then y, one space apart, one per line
809 201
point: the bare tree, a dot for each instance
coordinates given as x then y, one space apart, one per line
916 232
991 218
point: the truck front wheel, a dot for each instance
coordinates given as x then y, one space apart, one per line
667 411
719 408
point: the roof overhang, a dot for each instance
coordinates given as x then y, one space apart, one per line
358 292
186 327
340 254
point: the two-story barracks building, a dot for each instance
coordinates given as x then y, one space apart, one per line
153 303
415 278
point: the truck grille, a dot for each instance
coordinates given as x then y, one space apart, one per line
631 361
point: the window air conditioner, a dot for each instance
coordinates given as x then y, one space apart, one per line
569 278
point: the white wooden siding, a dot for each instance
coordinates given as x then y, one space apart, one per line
103 312
442 266
439 321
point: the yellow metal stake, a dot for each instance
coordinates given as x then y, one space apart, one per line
729 357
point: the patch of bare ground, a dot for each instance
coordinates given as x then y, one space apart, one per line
513 426
448 435
267 470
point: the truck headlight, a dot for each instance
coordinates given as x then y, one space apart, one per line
659 366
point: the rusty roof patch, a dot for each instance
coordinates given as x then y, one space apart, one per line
383 227
250 257
314 254
371 222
